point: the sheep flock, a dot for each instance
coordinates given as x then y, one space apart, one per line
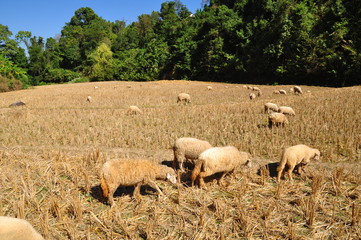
191 165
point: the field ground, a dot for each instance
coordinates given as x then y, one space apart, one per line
51 151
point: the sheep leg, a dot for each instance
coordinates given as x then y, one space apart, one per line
290 170
110 196
136 192
279 174
155 186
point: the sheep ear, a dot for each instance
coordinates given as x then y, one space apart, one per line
249 163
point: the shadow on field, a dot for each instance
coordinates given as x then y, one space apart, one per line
272 168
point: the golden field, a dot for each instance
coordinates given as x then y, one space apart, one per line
52 149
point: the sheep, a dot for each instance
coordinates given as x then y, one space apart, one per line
96 87
184 97
132 172
298 155
252 96
134 110
17 229
277 119
209 88
218 159
276 92
88 98
250 87
256 89
283 92
270 106
259 93
187 148
287 110
291 90
297 90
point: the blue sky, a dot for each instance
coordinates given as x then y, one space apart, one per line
46 18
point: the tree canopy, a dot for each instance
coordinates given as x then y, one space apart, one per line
239 41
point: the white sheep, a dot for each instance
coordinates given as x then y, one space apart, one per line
17 229
297 90
96 87
298 155
256 89
209 87
250 87
132 172
134 110
188 149
184 97
270 107
276 92
88 98
283 92
287 110
259 93
252 96
218 159
277 119
292 90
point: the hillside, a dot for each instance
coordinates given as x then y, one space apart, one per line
52 148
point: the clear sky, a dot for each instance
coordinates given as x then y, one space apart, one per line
46 18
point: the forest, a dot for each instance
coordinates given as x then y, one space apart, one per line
308 42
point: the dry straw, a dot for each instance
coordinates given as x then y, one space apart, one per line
52 149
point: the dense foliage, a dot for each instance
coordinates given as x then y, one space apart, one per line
253 41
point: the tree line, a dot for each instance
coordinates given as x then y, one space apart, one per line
312 42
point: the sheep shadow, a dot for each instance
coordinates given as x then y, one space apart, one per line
271 167
96 192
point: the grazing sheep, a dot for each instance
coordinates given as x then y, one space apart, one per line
132 172
259 93
287 111
277 119
17 104
297 90
88 98
252 96
184 97
218 159
256 89
270 107
134 110
291 90
283 92
17 229
187 148
244 86
276 92
298 155
96 87
250 87
209 87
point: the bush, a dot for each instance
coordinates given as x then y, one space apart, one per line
7 84
60 75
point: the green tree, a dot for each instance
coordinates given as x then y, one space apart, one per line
102 67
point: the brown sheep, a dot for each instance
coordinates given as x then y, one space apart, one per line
132 172
298 155
277 119
17 229
218 159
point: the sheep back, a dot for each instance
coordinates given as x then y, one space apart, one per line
17 229
187 148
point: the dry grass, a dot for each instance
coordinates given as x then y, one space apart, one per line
51 151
